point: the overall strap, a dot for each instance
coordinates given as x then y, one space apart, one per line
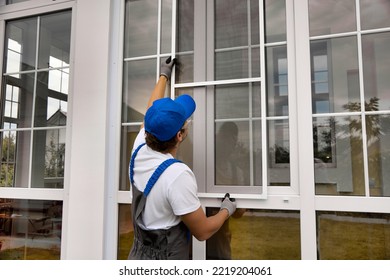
157 173
131 166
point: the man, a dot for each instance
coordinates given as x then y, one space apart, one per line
165 207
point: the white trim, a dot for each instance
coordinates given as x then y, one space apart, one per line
113 128
305 131
32 193
35 7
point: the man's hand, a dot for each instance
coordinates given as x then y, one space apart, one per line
166 67
229 204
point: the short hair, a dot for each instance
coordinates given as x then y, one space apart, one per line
160 146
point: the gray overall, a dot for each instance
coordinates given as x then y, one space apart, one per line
161 244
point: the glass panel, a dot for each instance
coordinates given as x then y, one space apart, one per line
338 156
275 21
376 65
185 153
231 28
353 236
332 16
48 158
236 30
256 235
279 153
141 28
277 81
51 104
374 14
15 157
129 133
20 45
30 229
139 80
231 65
184 68
231 101
54 40
378 142
185 26
335 75
166 26
18 99
232 153
125 231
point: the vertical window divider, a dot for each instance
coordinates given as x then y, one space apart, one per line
263 114
159 27
173 45
362 100
33 104
250 87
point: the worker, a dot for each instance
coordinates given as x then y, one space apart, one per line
165 208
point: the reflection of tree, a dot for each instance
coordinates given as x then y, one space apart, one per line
55 158
372 122
7 161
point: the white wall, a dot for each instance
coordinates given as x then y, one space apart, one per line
83 229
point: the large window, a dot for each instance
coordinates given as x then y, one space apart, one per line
350 96
33 129
34 107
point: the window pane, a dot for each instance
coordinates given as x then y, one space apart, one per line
232 153
166 26
332 16
125 231
256 235
54 42
231 65
376 66
141 28
48 158
15 157
185 25
20 45
129 133
353 236
275 21
231 28
237 30
18 99
279 153
139 80
378 142
335 75
51 104
374 14
232 101
30 229
338 156
277 81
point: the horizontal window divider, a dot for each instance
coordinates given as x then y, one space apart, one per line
219 82
155 56
237 119
339 114
353 204
377 30
271 118
36 70
276 44
132 124
32 193
33 128
238 48
331 36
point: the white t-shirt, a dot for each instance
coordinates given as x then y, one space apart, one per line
173 195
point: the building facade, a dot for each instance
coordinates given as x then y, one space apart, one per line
292 119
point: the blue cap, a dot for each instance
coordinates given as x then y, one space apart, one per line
166 116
